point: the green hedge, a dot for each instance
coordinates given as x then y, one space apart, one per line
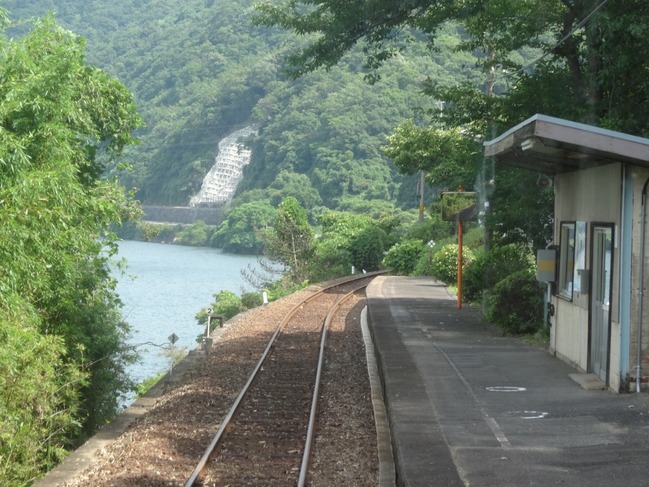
516 304
403 257
444 263
491 267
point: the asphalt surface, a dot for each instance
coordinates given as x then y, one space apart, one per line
467 406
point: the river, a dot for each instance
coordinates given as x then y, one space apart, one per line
163 289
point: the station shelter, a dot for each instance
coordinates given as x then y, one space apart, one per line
596 265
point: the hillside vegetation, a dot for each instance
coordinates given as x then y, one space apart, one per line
199 69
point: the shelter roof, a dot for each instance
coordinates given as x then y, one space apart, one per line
553 145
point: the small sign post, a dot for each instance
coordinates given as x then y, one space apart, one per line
173 338
207 342
459 207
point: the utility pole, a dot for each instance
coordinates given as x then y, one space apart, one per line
487 180
421 198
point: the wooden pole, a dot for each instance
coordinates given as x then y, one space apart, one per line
460 232
421 198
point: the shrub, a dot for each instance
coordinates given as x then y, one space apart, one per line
164 233
493 266
444 263
433 228
403 257
284 287
516 303
145 386
473 236
251 300
424 265
329 261
39 398
367 248
226 304
194 235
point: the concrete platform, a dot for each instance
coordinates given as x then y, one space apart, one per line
467 406
590 382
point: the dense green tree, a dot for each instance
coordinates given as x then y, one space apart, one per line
584 66
347 240
367 248
524 210
290 241
330 260
196 234
587 49
403 257
61 121
342 226
241 230
39 397
584 62
448 157
296 185
339 230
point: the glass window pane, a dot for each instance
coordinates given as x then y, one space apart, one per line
566 260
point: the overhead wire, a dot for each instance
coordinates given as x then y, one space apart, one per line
556 45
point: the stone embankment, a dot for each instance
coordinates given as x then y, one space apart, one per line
185 215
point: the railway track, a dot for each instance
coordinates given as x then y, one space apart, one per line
267 436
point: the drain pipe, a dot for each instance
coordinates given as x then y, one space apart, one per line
641 285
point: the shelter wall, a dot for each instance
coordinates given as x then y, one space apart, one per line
592 196
640 177
569 333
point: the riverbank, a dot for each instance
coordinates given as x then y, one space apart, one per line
162 290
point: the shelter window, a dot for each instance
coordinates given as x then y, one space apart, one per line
566 260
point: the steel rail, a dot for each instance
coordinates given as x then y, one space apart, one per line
227 421
308 445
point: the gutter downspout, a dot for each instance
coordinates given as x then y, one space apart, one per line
626 271
643 215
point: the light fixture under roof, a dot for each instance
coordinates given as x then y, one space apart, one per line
528 144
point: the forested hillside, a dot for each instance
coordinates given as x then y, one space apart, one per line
199 69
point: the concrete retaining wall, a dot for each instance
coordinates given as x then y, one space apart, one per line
182 214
